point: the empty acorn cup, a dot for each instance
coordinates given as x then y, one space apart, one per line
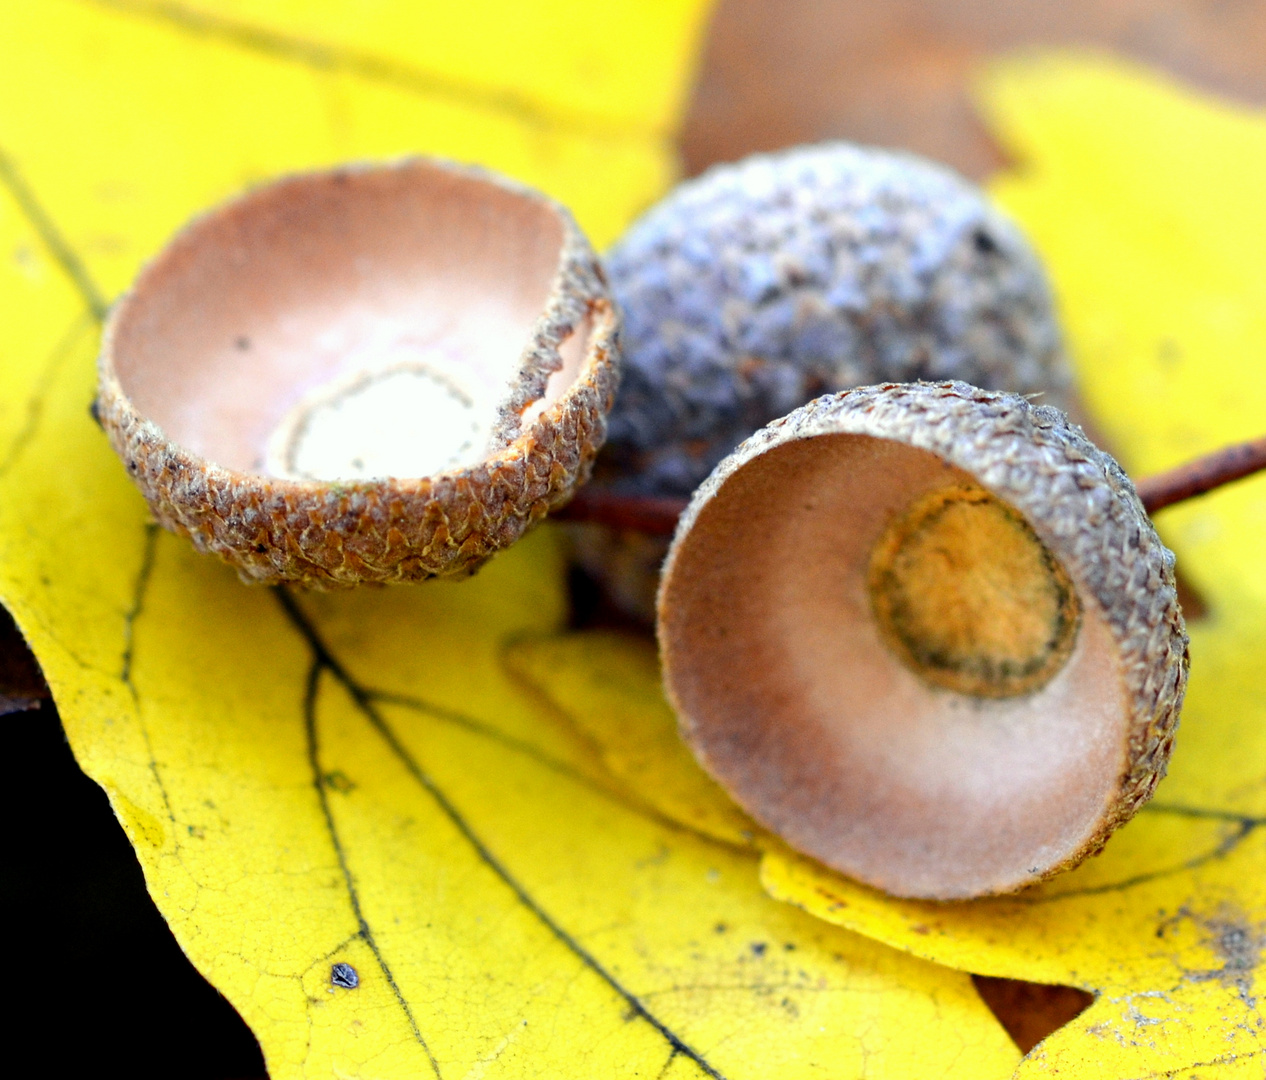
372 374
927 634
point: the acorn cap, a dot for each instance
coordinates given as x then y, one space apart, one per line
928 635
372 374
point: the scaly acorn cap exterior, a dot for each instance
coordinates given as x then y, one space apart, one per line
232 337
968 768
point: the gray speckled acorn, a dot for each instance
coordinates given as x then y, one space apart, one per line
763 284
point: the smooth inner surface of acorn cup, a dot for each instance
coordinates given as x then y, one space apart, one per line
372 374
346 326
884 664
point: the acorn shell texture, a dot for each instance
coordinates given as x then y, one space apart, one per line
915 772
371 374
761 285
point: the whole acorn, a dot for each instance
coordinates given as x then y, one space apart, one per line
763 284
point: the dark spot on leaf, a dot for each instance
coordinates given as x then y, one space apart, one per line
243 343
720 928
339 781
94 410
1237 942
758 948
344 975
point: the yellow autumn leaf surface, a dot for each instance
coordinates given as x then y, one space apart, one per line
607 686
368 778
1146 200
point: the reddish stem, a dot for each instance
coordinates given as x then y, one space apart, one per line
650 514
657 515
1201 475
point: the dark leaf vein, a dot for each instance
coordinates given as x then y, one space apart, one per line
318 782
324 658
61 251
372 67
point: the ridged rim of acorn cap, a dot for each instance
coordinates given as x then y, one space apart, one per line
1077 499
335 535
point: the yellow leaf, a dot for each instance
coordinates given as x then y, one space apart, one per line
360 779
608 686
1146 201
355 778
128 118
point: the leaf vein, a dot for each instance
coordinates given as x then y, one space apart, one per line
35 403
373 67
139 590
63 254
562 768
1245 827
320 665
324 658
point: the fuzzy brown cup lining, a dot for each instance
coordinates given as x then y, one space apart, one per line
969 597
790 694
280 313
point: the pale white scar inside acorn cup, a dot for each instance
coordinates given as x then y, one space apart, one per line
372 374
927 634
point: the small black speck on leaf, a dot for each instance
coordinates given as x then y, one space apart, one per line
758 948
344 975
94 410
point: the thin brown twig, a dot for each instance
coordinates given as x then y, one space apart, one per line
657 515
1201 475
650 514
